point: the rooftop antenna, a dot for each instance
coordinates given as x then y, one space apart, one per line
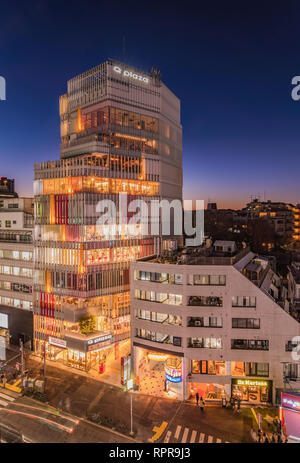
124 48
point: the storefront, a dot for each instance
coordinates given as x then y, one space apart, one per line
55 348
158 373
208 391
290 415
252 390
84 352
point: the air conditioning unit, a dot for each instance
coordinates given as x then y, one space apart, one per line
197 323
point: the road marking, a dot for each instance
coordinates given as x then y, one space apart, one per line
201 439
210 439
167 438
178 429
7 397
193 437
219 441
3 403
185 434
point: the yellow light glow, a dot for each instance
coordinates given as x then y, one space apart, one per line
158 357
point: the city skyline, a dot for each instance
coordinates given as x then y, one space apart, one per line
240 134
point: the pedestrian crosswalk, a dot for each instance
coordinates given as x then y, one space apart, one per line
6 399
186 435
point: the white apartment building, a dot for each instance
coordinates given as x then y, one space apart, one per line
203 320
293 278
16 270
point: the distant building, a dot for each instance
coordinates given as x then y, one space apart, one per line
212 207
16 270
279 215
211 320
7 188
293 278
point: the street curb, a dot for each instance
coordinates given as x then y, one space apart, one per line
109 429
87 421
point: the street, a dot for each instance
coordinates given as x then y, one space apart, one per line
76 394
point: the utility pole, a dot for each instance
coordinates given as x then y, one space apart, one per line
45 377
22 360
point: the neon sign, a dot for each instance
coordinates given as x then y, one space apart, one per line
290 401
131 74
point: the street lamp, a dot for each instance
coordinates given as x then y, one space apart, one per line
130 389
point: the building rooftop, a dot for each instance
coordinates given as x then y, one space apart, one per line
295 271
206 254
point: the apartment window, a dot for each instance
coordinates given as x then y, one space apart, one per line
214 280
209 322
250 344
8 223
163 298
290 371
12 206
243 301
158 337
214 301
249 323
160 277
206 343
257 369
290 346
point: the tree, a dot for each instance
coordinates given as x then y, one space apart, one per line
87 324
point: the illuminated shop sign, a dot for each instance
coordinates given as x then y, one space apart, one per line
173 374
99 339
132 75
248 382
57 342
99 345
158 357
290 401
172 379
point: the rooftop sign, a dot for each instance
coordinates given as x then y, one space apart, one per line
130 74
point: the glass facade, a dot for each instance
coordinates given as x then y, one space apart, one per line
81 274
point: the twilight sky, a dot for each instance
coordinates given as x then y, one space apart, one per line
230 63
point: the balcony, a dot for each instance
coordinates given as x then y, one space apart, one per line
210 301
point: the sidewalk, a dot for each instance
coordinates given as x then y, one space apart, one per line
111 378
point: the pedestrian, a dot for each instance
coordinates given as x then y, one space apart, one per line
286 440
197 398
4 381
202 403
279 439
259 435
273 440
239 405
265 438
253 435
231 401
235 405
